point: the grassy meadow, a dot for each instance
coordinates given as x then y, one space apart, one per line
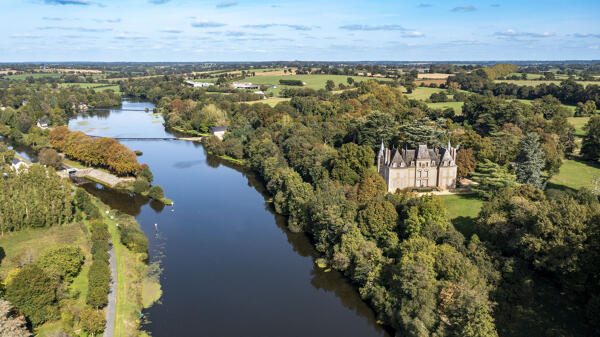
575 174
98 86
21 77
463 210
312 81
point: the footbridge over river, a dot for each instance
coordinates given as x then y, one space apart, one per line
193 139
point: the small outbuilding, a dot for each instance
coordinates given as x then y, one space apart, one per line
218 131
18 164
42 123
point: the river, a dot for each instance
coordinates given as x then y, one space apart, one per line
230 267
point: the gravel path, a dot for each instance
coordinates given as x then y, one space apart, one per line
109 328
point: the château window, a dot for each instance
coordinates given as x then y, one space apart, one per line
418 174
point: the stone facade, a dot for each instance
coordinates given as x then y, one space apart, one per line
420 168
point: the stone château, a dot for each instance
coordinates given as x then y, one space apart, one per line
420 168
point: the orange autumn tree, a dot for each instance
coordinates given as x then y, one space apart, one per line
102 152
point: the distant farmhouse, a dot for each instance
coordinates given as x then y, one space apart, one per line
218 131
199 84
245 85
42 123
420 168
17 164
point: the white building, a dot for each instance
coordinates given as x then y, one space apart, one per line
245 85
218 131
199 84
420 168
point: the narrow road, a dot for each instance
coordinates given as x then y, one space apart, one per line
109 328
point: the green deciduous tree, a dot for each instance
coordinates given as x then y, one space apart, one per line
63 261
590 148
92 321
352 160
33 292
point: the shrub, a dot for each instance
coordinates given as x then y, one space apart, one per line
156 192
146 173
63 261
291 82
92 321
50 157
140 185
134 238
214 145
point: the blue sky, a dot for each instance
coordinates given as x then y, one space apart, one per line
245 30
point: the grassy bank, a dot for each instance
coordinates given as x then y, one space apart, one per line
135 289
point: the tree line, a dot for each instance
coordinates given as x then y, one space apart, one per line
316 152
99 152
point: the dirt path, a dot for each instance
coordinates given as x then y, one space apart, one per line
109 328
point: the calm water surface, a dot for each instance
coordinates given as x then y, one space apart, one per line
230 268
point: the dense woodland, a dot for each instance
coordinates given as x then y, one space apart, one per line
422 277
316 155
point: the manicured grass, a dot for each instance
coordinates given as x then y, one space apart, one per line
457 106
575 174
579 123
463 210
423 93
27 245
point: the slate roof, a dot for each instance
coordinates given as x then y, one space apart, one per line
218 129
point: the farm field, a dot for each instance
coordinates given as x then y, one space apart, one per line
34 75
575 174
463 210
99 86
28 244
312 81
423 93
534 83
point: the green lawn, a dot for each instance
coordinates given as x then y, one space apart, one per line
423 93
463 210
579 123
457 106
575 174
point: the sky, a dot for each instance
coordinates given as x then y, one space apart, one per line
306 30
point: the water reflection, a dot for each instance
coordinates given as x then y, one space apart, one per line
230 265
